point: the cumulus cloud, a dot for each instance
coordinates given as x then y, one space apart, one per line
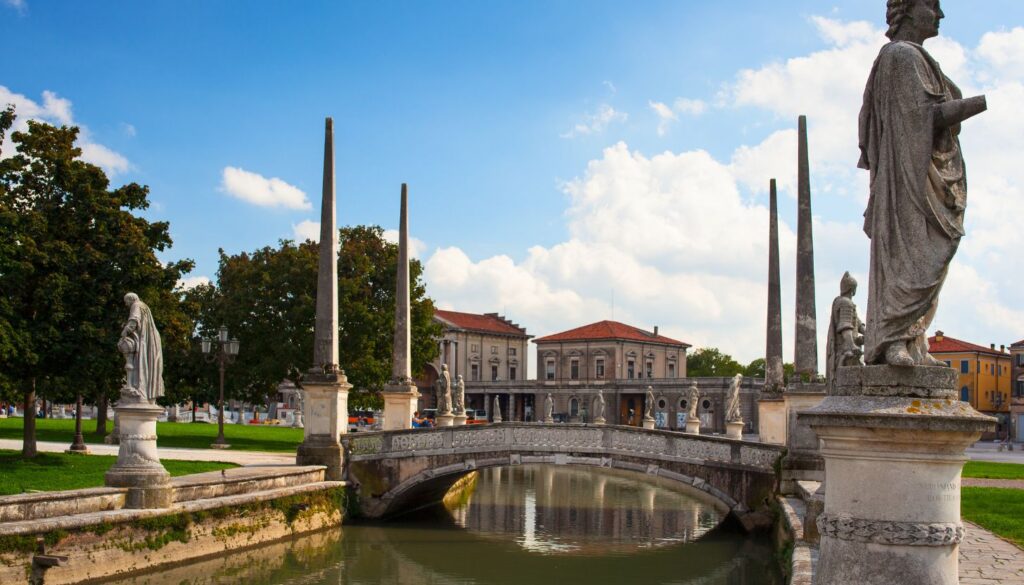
416 245
665 116
306 230
259 190
596 122
58 111
190 282
689 106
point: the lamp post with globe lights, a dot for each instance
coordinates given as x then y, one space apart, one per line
224 354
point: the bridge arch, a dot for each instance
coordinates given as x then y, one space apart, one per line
395 471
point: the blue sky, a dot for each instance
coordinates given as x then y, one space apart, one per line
504 118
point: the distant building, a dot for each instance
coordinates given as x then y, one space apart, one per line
985 375
1017 400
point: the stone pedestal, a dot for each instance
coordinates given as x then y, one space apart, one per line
693 426
771 420
734 430
599 420
647 423
325 406
445 420
893 440
138 465
297 423
803 461
399 405
459 420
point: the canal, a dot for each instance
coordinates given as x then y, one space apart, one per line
517 525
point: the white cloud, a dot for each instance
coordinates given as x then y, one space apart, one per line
128 129
259 190
665 116
58 111
190 282
596 122
18 5
306 230
416 245
689 106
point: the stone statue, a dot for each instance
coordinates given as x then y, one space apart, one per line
649 407
843 346
144 361
549 408
599 407
497 410
732 400
444 391
692 398
459 399
909 141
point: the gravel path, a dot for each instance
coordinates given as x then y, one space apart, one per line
226 456
1017 484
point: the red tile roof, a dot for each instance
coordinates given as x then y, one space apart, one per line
610 330
487 323
953 345
1021 342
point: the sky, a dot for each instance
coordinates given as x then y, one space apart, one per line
567 161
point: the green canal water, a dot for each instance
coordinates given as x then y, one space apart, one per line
520 525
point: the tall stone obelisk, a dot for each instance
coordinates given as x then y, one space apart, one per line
806 355
773 379
325 387
400 394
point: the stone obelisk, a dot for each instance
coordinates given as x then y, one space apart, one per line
400 394
806 355
325 387
771 407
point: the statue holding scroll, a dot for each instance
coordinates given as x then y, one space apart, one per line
144 361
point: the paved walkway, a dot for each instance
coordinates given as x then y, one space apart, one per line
1016 484
986 559
227 456
989 451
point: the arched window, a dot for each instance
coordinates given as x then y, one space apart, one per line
574 407
683 404
965 394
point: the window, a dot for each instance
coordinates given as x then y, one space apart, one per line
706 404
662 404
494 373
511 372
683 404
630 367
494 349
512 351
474 348
949 363
474 372
650 369
549 369
599 368
1020 388
965 394
1020 359
671 370
574 369
574 407
965 367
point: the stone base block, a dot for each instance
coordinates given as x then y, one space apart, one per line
771 420
327 454
648 423
138 464
444 420
459 420
599 420
734 430
399 406
693 426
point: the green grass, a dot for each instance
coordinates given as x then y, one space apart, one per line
987 470
61 471
190 435
999 510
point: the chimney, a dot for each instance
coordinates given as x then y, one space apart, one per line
1002 348
938 335
992 346
655 330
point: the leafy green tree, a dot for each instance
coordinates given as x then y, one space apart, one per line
77 249
711 362
756 369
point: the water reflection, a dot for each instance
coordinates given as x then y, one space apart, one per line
533 525
549 509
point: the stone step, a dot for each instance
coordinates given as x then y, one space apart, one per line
38 505
243 480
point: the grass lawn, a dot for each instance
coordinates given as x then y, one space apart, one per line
60 471
192 435
984 469
1000 510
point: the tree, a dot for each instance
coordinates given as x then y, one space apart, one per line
75 250
711 362
267 299
756 369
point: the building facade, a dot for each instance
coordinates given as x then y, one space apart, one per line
985 376
1017 396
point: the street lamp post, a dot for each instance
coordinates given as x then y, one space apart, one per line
225 353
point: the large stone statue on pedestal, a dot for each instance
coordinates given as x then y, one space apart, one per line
648 420
459 401
444 398
599 409
692 400
549 408
843 346
893 433
138 465
733 415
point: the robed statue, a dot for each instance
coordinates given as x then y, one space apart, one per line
692 398
444 391
459 398
843 346
549 408
599 407
144 360
732 400
909 141
649 407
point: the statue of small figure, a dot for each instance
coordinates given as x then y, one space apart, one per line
599 407
144 360
497 410
549 408
459 400
649 407
692 398
843 346
732 400
444 391
909 140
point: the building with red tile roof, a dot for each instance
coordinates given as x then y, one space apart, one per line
1017 400
985 374
611 330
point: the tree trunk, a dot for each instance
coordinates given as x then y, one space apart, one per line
28 445
195 409
101 414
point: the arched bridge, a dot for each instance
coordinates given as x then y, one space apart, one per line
396 471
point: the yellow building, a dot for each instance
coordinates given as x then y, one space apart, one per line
986 375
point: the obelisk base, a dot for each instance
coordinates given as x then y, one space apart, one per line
693 426
399 405
138 466
771 420
648 423
893 440
734 430
325 408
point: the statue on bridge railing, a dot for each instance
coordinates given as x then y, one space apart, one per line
549 408
444 391
692 398
732 400
599 408
459 399
845 341
649 407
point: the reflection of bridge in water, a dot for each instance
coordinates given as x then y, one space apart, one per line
397 471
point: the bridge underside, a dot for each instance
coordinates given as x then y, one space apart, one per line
397 471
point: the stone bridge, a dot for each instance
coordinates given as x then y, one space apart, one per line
398 471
